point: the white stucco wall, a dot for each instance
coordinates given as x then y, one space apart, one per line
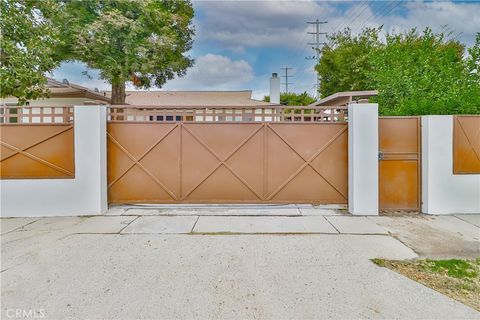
363 158
442 191
83 195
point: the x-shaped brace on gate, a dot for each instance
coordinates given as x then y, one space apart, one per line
23 152
136 162
307 162
223 162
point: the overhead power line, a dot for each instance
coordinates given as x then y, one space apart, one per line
378 10
350 23
383 11
347 21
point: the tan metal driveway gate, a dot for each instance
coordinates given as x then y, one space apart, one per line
227 162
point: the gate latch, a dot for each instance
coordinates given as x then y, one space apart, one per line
380 155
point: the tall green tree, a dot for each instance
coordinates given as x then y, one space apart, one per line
28 39
423 73
345 59
143 42
414 72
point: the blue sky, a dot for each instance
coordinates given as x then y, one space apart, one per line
238 44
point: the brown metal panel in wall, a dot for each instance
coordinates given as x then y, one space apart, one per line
466 144
398 184
36 151
399 163
245 162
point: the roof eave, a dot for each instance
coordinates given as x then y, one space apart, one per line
345 94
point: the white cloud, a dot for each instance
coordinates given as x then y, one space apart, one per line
460 18
240 24
210 72
214 72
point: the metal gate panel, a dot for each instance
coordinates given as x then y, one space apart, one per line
138 170
466 144
201 162
399 163
37 151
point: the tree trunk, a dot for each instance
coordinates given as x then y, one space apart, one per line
118 93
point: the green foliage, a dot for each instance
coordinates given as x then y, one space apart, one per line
139 41
423 74
27 42
345 61
294 99
415 73
473 61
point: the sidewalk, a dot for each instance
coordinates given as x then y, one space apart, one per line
429 236
285 263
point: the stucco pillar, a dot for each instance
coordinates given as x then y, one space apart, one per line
363 158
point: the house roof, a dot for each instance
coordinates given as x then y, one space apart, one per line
343 98
70 90
186 99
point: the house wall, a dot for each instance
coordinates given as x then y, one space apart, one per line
83 195
53 101
442 191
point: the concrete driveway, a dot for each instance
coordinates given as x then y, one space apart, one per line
155 264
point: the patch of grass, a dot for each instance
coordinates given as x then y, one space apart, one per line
379 262
456 278
454 268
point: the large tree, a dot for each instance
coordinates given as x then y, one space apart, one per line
27 42
143 42
414 72
423 73
345 61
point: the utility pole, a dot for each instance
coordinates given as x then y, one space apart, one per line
316 45
286 76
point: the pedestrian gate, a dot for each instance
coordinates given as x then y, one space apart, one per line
399 163
226 156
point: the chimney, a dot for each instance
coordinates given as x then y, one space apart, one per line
275 89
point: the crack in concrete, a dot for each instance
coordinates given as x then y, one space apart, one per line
119 232
466 221
328 221
22 226
193 227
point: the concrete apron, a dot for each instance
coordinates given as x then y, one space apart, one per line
429 236
230 219
227 210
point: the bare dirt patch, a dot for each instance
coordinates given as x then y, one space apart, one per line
459 279
399 213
